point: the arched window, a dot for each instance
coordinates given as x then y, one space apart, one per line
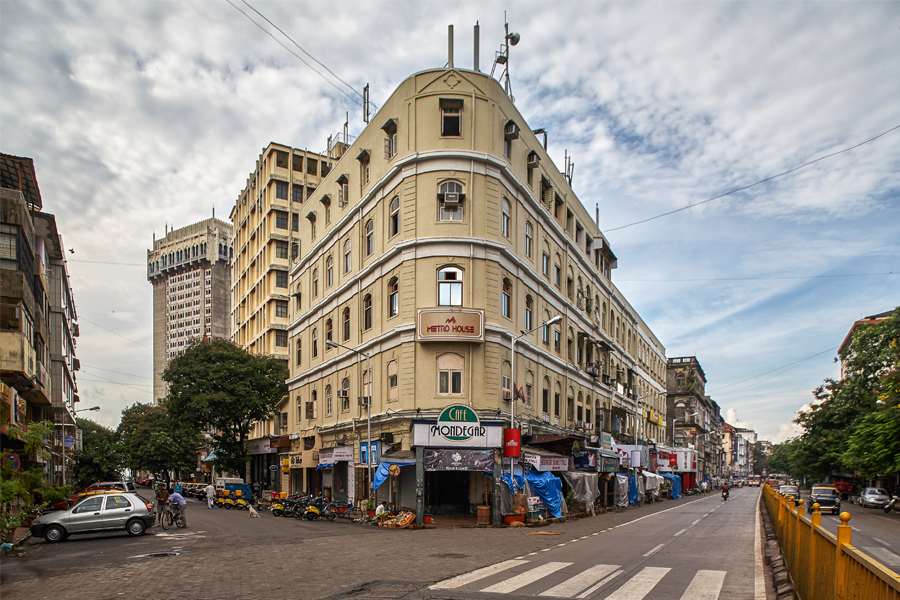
313 406
505 218
579 408
345 394
315 284
395 216
392 371
393 297
348 260
451 202
545 396
450 286
529 238
505 305
329 271
557 271
329 329
370 238
367 312
346 323
570 345
329 407
529 313
617 329
545 260
529 387
315 342
450 369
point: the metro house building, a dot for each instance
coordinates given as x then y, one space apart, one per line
443 231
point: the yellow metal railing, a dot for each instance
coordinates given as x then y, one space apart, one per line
824 566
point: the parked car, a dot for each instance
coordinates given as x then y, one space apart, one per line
827 497
103 511
792 492
877 497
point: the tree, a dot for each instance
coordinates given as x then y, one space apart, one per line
760 459
220 387
854 422
101 457
153 441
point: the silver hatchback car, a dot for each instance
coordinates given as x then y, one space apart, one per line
110 511
876 497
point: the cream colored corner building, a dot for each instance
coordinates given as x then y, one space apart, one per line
441 232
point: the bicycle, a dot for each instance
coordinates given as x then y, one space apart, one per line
172 516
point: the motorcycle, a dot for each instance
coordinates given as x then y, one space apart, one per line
725 495
893 504
317 508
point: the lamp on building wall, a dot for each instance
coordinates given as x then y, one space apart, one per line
63 425
368 411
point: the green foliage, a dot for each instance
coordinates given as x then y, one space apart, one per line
760 459
220 387
854 424
151 440
101 457
33 437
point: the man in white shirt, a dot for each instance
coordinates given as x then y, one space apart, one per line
210 495
382 508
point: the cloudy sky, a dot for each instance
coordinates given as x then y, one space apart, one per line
139 114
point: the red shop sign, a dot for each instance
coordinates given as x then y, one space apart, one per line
512 442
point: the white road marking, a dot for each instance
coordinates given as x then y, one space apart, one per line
654 550
882 542
593 589
569 588
883 555
695 522
679 533
705 585
461 580
523 579
640 585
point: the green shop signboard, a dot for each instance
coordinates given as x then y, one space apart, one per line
457 425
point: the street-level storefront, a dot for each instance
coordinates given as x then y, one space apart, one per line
452 453
264 464
338 473
686 467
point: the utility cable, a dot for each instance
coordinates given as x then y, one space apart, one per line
116 372
761 278
773 370
760 182
331 83
105 380
104 262
114 333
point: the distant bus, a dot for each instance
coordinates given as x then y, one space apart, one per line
755 480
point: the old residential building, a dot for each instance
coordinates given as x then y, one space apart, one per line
266 219
189 271
441 233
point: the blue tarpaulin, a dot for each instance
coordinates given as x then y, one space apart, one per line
546 485
324 466
632 489
676 485
382 474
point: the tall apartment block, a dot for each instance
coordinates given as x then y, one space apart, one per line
189 270
266 218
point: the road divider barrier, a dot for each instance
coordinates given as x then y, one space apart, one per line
824 566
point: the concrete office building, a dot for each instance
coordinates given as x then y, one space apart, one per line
191 278
439 235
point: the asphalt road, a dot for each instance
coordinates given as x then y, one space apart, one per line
692 543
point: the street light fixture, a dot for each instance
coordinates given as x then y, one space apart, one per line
63 425
512 377
368 411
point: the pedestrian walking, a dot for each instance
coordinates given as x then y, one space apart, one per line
177 488
182 505
162 498
210 495
704 487
256 488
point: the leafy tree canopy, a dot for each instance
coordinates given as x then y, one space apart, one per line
101 457
222 388
153 441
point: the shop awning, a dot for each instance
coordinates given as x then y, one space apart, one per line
211 457
324 466
544 460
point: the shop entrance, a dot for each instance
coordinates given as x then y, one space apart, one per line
447 492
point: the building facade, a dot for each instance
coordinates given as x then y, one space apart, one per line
266 219
191 278
443 232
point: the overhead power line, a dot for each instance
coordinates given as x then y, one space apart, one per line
300 58
105 262
760 182
761 278
114 333
116 372
773 370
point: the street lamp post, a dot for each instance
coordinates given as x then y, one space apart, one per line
368 411
512 376
63 425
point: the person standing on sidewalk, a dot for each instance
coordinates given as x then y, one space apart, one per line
182 505
210 495
162 498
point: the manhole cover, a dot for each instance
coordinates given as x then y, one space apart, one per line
449 556
156 554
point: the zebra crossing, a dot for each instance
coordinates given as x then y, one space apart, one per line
588 583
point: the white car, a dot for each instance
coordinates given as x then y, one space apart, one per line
877 497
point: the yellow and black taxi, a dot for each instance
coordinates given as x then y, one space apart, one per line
827 497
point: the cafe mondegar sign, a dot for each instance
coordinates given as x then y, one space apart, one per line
457 426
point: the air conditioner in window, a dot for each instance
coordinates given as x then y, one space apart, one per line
343 394
363 400
451 200
534 161
507 394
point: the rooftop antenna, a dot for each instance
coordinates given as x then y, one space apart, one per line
366 104
346 130
502 57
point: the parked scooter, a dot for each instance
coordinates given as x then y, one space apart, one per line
894 504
